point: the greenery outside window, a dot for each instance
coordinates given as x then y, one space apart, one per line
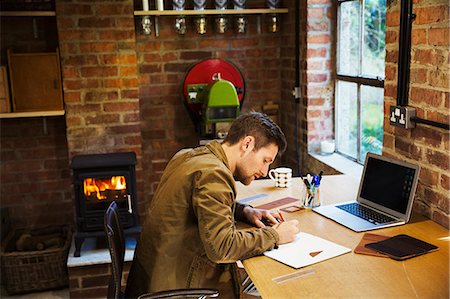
359 94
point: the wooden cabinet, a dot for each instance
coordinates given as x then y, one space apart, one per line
5 105
35 81
33 68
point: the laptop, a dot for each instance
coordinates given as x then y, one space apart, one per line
385 196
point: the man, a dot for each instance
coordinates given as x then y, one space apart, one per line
189 239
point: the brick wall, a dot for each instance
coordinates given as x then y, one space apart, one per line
91 281
163 63
429 94
98 58
35 178
315 120
319 71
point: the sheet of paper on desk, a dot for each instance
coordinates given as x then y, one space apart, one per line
306 250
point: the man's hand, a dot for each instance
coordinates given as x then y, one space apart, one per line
257 217
287 231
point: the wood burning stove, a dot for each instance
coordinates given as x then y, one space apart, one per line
100 179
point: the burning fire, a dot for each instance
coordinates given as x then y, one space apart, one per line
99 186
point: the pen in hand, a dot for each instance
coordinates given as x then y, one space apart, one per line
281 215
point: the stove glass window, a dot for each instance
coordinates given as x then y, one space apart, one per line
105 189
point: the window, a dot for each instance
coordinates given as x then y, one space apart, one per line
359 84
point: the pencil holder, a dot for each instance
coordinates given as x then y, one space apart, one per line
312 199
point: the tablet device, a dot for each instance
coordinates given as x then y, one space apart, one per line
402 247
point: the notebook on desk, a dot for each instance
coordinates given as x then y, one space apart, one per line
385 196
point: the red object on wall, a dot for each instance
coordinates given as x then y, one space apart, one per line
203 72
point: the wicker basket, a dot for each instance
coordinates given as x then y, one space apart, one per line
35 270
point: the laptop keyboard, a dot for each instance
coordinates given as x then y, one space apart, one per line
365 213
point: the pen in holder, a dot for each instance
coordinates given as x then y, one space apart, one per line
312 198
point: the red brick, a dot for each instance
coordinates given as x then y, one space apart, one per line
131 82
392 18
314 78
418 37
150 68
317 26
438 36
445 182
99 71
430 14
318 52
315 13
439 159
428 177
191 55
132 94
419 75
439 78
392 37
102 119
124 129
75 9
116 35
213 43
100 292
442 218
127 71
94 281
115 8
96 22
99 96
112 82
98 47
426 96
121 107
319 39
422 56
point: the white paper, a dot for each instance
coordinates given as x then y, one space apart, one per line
299 253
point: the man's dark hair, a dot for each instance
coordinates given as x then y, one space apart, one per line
260 126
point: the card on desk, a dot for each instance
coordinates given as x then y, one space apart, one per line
277 203
370 238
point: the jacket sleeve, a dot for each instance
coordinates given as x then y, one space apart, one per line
213 203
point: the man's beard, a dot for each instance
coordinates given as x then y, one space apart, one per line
246 180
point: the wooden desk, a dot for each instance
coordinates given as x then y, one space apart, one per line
349 275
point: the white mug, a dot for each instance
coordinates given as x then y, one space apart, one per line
282 176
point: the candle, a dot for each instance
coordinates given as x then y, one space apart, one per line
327 147
144 4
160 4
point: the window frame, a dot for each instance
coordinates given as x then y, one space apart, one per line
359 79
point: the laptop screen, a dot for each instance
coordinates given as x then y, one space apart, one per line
388 183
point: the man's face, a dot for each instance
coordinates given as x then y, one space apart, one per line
255 164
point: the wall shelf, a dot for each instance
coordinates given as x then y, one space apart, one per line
209 12
27 13
32 114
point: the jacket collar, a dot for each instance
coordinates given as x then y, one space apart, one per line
216 148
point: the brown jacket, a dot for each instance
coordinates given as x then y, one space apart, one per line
189 238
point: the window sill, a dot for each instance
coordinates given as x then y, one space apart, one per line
341 164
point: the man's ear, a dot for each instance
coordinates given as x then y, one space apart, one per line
248 143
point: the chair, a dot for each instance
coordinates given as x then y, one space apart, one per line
116 244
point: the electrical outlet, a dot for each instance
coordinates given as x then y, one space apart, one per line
400 116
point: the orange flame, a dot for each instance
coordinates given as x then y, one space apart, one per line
97 186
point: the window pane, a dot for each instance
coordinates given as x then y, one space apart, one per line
374 38
372 99
348 47
347 115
